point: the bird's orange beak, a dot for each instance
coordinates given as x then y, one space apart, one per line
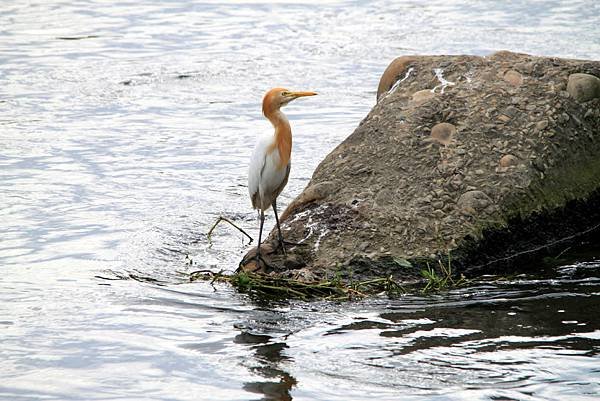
295 95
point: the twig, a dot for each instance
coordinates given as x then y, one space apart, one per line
215 278
220 219
562 252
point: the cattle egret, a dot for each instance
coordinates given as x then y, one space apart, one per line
270 163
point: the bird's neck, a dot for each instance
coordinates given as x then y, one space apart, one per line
282 137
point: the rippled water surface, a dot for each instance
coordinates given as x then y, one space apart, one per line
125 131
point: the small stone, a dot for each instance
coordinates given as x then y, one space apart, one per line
583 87
305 275
438 205
508 161
443 167
479 172
540 126
473 201
443 133
456 182
250 266
589 113
513 78
422 96
292 262
318 191
504 118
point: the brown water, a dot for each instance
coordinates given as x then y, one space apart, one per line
125 131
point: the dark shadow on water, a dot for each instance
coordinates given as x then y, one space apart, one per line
268 355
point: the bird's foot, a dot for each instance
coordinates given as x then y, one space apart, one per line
281 244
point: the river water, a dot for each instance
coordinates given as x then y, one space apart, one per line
125 131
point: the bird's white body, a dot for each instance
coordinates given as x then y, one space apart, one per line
266 176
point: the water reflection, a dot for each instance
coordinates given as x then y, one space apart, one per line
268 356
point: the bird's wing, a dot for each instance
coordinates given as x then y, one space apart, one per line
255 170
273 178
266 178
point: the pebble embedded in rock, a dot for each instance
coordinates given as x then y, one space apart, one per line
542 125
513 77
443 133
438 205
318 191
422 96
438 214
473 201
508 160
583 87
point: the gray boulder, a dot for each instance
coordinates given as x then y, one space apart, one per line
487 161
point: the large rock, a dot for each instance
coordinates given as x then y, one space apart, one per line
484 159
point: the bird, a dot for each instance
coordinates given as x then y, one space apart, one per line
270 163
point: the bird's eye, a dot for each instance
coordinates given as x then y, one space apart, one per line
284 93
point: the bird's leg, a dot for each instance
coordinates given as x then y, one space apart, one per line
281 241
262 221
260 262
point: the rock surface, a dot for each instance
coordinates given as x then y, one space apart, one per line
485 159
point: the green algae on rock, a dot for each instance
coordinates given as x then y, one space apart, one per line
488 159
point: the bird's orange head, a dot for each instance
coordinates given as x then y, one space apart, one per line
279 97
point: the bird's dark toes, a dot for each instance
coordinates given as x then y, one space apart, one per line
281 243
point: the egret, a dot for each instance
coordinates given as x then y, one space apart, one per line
270 163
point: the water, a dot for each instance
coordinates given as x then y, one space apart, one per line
125 131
